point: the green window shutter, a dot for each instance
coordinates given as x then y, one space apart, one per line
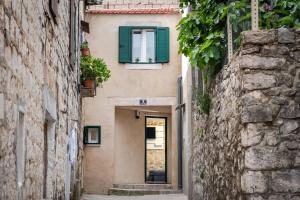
124 44
162 45
85 135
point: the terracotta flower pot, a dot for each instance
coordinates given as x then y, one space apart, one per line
85 51
89 83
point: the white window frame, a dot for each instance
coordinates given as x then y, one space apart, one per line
90 141
88 137
144 45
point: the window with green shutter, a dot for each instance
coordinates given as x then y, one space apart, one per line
143 45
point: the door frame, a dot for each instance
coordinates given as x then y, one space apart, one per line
166 147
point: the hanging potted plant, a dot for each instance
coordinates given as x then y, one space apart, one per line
94 71
84 47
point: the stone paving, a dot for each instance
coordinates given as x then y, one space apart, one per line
147 197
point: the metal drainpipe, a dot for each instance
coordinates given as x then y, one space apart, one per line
179 129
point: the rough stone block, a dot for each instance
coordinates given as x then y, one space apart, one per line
258 81
297 159
280 197
291 145
249 49
274 50
290 111
257 113
255 197
286 36
258 62
254 98
296 55
251 135
258 37
271 137
254 182
267 158
286 181
289 126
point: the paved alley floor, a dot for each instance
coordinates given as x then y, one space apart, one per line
147 197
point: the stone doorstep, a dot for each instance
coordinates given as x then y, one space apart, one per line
144 186
141 192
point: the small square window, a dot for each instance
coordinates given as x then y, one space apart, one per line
92 134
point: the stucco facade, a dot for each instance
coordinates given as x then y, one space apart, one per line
120 156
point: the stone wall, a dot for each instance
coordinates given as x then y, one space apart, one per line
37 85
248 146
156 159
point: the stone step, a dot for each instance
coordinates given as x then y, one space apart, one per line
144 186
140 192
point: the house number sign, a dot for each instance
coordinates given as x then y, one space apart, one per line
143 101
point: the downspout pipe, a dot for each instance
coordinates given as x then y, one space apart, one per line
179 112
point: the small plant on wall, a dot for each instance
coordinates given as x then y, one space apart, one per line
94 71
84 47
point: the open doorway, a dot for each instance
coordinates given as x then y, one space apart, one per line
155 149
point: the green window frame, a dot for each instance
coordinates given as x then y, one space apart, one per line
162 44
87 138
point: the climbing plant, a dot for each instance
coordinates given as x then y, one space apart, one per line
202 32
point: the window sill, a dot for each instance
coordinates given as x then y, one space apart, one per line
146 66
92 145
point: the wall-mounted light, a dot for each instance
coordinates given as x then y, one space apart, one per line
137 114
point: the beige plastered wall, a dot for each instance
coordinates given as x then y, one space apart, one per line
187 124
127 85
130 145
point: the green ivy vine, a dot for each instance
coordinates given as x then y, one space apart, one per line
202 32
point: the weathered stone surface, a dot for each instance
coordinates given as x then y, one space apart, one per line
274 50
254 182
289 126
288 91
259 37
296 55
290 111
280 197
290 145
252 135
253 124
249 49
285 36
257 113
275 91
267 158
255 197
254 98
258 62
34 54
297 160
272 137
258 81
286 181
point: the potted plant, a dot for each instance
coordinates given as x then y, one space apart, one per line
84 47
94 71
